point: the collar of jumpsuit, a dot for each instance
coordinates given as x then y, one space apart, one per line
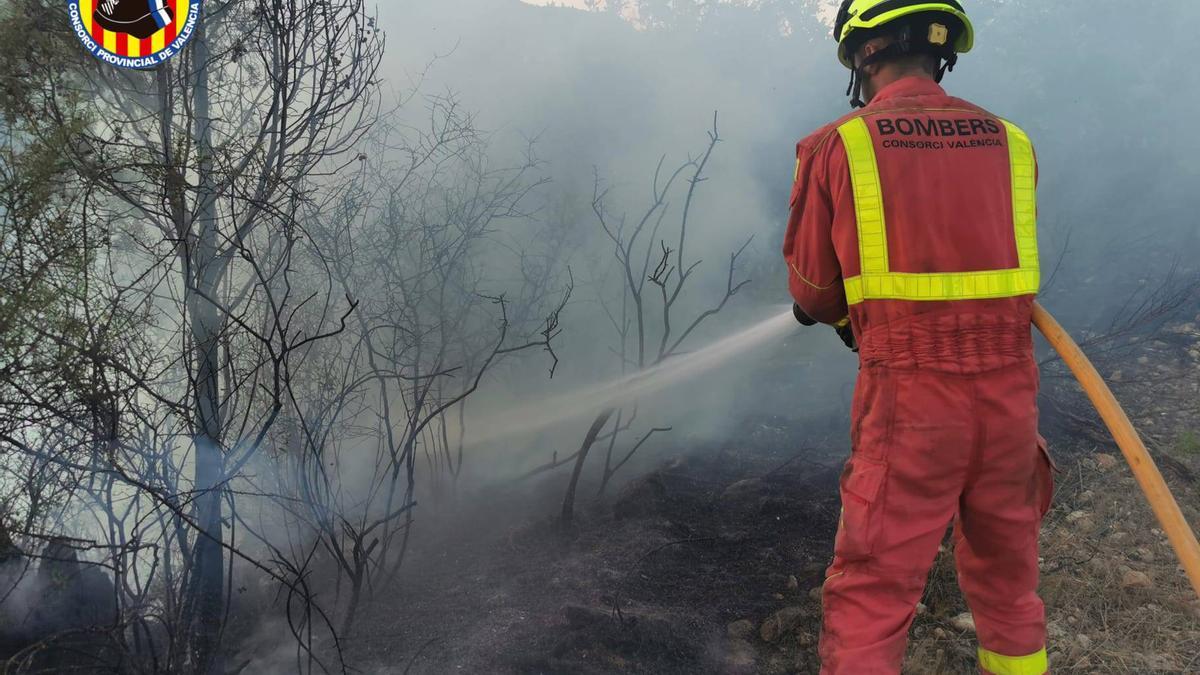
908 86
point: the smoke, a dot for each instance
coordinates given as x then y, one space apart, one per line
606 98
1101 90
538 415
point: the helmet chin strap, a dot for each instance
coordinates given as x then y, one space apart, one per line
854 91
947 67
893 51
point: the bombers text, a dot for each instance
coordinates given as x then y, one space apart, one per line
938 134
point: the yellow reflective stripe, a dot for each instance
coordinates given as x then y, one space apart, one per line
877 282
868 196
948 286
998 664
1024 189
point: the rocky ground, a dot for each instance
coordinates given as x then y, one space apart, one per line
712 563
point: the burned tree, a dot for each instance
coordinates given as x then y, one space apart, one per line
413 239
198 171
649 319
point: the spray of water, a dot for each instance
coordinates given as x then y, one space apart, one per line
537 415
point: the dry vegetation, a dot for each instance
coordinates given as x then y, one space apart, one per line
246 297
712 563
1117 601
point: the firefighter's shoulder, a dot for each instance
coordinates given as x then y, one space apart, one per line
825 138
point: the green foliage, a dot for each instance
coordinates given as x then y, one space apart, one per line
46 252
1188 443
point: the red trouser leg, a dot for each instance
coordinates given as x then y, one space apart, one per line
996 535
921 443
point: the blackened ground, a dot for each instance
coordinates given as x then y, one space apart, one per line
710 563
647 582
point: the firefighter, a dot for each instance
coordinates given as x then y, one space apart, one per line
913 232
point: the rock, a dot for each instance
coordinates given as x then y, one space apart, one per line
793 583
1144 554
1056 632
780 623
1133 579
1117 376
1086 497
1106 461
921 608
1085 642
815 594
1082 521
939 633
740 658
777 596
740 629
641 498
964 622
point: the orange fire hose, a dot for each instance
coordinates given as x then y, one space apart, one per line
1144 470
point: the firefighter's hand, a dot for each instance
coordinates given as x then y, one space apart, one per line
802 317
846 332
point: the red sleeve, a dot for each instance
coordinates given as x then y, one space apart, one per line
815 276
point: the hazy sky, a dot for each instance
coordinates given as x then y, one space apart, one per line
566 3
1114 140
827 10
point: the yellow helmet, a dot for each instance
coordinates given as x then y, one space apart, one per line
948 29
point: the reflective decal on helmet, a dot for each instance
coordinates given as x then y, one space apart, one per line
938 34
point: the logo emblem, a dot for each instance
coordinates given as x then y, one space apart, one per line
134 33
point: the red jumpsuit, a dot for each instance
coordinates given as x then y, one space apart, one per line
939 288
